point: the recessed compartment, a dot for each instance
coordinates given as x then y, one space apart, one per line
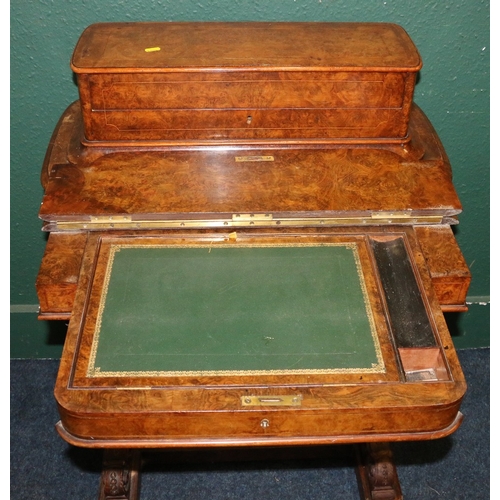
421 365
412 329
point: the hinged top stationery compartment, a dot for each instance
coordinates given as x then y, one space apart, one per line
145 188
250 82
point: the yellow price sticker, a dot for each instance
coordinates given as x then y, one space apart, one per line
152 49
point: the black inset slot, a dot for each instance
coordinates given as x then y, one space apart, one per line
410 323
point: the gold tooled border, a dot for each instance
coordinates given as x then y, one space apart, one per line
94 371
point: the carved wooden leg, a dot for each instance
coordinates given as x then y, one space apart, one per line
120 475
377 476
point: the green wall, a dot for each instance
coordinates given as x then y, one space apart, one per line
453 90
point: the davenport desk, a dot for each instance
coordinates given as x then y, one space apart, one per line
250 234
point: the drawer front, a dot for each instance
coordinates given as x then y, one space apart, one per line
316 90
274 426
57 278
246 106
245 124
449 271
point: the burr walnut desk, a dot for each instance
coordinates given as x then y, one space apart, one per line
250 234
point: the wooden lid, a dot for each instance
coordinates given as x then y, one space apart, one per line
168 46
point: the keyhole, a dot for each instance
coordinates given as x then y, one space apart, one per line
249 120
264 423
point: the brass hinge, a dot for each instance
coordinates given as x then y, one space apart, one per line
406 214
244 220
110 219
252 218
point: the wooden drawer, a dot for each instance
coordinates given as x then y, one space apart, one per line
245 81
57 278
117 125
449 271
256 90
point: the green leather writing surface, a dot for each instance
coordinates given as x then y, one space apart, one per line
231 309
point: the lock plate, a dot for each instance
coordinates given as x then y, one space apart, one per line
286 400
